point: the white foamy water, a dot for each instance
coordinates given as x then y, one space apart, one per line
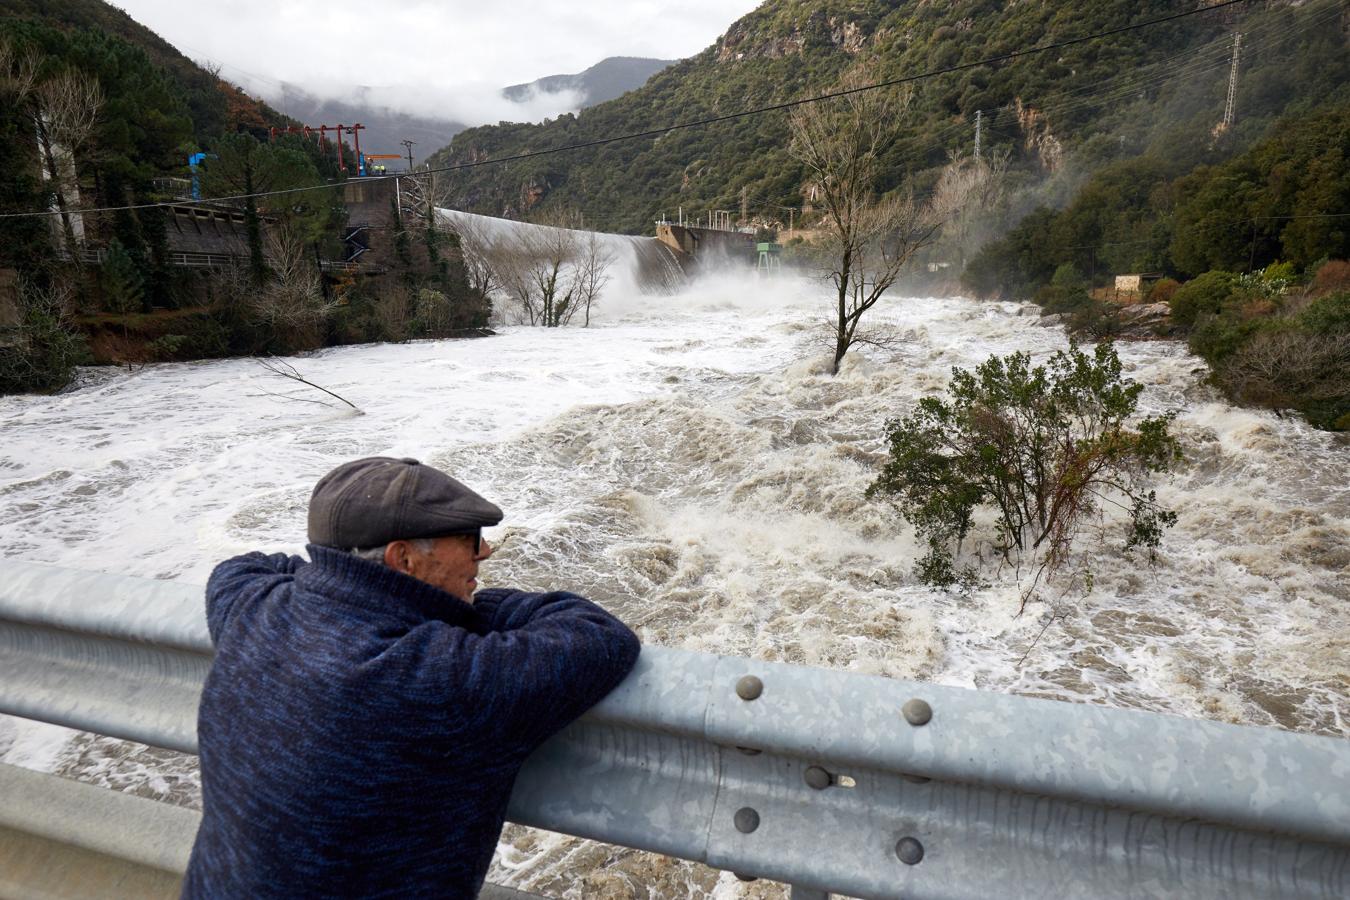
695 468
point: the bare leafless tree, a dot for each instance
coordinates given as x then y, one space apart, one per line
292 300
71 103
592 273
64 110
867 240
543 271
1288 368
550 273
476 248
967 198
18 71
546 255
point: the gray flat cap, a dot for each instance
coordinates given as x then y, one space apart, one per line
370 502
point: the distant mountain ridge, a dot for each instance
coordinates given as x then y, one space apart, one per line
611 77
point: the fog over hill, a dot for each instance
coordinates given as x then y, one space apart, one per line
431 118
603 81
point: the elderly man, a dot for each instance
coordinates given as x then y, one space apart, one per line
367 711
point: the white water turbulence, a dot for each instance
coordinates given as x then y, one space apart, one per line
639 266
691 464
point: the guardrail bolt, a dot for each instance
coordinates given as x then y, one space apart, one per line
749 687
917 712
909 850
747 820
817 777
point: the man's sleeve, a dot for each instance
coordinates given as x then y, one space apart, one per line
546 659
248 576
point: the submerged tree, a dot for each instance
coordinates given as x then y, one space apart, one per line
868 239
1044 448
551 273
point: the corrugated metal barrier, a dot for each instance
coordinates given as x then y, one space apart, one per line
828 781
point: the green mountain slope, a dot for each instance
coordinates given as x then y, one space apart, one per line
214 105
1060 114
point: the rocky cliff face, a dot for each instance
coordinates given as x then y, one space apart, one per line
746 41
1038 138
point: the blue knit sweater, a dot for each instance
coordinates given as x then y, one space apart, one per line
360 730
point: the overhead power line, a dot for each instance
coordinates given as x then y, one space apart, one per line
696 123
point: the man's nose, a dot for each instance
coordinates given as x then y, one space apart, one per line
484 549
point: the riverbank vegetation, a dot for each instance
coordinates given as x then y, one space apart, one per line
1251 250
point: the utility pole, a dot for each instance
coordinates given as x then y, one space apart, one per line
1229 106
745 207
979 123
409 145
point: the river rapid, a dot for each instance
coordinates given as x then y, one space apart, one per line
690 463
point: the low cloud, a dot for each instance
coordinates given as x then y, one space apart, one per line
470 104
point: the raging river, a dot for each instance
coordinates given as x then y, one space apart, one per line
689 463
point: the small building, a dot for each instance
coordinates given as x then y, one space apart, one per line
1137 283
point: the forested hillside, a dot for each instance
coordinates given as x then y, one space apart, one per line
1058 115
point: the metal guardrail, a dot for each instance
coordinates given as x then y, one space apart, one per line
829 781
61 838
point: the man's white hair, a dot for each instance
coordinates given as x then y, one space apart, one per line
376 554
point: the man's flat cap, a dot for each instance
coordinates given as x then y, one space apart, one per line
370 502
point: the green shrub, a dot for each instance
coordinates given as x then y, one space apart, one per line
1061 300
1215 338
167 347
1328 315
42 352
1068 276
1280 273
1042 447
1207 294
121 281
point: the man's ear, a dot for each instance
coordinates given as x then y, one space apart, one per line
397 556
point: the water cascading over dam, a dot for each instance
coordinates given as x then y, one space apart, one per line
640 265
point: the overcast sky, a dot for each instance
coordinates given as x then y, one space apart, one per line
446 58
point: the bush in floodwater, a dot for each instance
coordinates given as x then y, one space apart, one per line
1043 447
